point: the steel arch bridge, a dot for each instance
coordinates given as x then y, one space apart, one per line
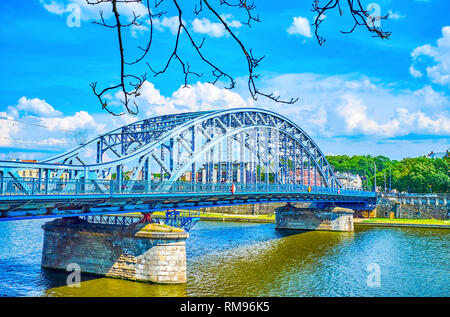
186 160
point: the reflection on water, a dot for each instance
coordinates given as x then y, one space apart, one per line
236 259
113 287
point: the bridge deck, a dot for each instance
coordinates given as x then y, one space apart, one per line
88 199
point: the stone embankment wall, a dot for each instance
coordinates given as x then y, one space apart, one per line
417 207
414 207
251 209
125 252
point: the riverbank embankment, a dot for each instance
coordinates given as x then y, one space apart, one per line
366 222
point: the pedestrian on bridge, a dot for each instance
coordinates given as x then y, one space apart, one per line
233 189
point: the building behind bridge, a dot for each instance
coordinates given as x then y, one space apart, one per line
445 154
349 180
250 174
35 172
302 176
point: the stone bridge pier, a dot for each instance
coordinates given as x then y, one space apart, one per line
328 218
127 252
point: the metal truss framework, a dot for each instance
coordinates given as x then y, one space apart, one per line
184 220
238 145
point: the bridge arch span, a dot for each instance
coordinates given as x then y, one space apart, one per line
245 145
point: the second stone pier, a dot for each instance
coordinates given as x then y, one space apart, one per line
328 219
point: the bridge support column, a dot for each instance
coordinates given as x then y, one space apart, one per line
326 219
126 252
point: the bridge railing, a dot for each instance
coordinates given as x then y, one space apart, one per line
10 186
418 195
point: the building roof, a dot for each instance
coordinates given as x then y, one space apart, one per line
438 154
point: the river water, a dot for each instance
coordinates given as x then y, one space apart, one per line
236 259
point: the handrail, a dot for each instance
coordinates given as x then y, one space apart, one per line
10 186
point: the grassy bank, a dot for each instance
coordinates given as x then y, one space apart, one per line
215 215
211 216
407 221
412 223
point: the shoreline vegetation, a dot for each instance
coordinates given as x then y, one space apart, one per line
385 222
412 175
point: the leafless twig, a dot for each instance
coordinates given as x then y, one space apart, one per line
361 17
130 85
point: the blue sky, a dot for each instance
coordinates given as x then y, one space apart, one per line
357 94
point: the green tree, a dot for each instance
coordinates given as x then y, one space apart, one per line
418 175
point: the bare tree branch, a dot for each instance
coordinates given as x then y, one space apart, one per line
361 17
129 85
133 87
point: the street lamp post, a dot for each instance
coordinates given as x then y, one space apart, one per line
390 180
375 175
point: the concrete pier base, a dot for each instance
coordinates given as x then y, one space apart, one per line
327 219
126 252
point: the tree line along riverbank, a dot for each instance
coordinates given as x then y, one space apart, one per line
412 175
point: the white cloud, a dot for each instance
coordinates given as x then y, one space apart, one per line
354 105
357 120
355 115
395 15
332 106
431 97
414 72
438 73
92 12
54 7
89 11
214 29
37 107
228 18
8 128
34 124
300 25
136 30
438 124
204 26
197 97
81 120
171 23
